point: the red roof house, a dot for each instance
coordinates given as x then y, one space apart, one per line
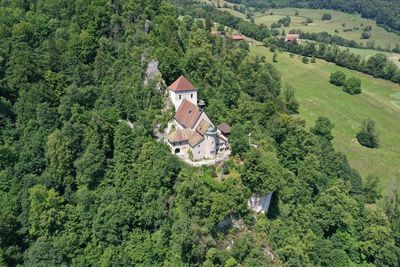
237 37
292 38
182 84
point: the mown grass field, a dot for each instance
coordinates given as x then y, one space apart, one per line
366 53
380 100
379 35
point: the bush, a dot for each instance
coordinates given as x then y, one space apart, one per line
365 35
368 136
305 60
338 78
323 127
274 57
352 86
326 16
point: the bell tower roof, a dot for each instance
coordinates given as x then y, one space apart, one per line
182 84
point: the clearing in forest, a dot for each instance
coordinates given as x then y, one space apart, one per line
349 26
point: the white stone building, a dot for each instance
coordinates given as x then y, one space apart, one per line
192 135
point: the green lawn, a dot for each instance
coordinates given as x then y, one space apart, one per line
380 36
366 53
380 100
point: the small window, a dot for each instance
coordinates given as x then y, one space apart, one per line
180 96
199 147
191 95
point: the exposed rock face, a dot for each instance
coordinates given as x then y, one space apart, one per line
259 203
152 71
147 26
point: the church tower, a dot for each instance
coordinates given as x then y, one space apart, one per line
182 89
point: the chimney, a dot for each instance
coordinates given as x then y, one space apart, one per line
201 105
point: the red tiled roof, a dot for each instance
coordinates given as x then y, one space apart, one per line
195 139
180 135
237 37
187 114
181 84
224 128
292 37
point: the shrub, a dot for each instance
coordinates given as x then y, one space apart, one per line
338 78
368 136
326 16
313 60
365 35
323 127
304 60
352 86
274 57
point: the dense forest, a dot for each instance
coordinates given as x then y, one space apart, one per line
79 186
385 12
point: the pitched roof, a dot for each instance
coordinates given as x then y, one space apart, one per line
187 114
180 135
202 127
224 128
237 37
195 139
292 37
182 84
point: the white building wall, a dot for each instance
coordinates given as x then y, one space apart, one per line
210 146
178 97
183 147
198 151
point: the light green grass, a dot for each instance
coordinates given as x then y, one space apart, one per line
380 100
380 36
366 53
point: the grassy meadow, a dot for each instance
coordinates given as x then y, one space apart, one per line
379 35
380 100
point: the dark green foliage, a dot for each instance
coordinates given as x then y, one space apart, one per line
326 16
365 35
352 86
305 60
261 171
292 105
239 139
338 78
323 127
84 183
368 136
275 57
371 189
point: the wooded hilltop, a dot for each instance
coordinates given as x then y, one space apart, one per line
80 187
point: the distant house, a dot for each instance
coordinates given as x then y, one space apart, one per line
237 37
292 38
192 134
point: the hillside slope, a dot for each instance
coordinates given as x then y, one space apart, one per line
379 101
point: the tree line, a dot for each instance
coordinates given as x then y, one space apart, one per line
384 12
377 65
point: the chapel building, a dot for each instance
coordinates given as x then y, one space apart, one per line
192 135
